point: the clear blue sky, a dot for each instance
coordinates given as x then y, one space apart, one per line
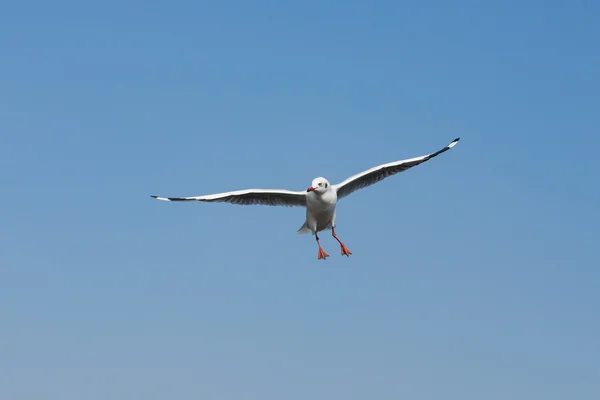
473 276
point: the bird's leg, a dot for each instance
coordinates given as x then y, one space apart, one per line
322 254
345 251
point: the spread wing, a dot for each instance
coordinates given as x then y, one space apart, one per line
269 197
380 172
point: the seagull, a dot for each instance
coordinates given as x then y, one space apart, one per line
319 199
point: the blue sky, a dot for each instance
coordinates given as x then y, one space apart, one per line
474 275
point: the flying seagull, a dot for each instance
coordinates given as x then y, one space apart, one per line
319 199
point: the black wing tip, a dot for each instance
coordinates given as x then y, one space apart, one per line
161 198
452 143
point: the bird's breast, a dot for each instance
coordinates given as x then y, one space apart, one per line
322 202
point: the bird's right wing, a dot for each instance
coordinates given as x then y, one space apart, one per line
376 174
269 197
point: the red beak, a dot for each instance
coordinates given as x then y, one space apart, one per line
310 189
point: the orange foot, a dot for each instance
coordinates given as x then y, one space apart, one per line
345 251
322 254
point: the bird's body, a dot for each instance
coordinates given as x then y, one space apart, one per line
320 209
319 200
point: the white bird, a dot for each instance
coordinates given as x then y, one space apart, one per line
319 199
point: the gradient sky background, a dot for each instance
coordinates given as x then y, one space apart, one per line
474 276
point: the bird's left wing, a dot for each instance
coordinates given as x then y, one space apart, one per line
376 174
269 197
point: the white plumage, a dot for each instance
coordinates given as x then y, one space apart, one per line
319 199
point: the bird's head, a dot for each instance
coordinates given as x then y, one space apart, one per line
319 185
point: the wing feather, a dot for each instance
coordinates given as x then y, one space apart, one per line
269 197
380 172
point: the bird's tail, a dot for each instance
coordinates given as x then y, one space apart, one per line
303 229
